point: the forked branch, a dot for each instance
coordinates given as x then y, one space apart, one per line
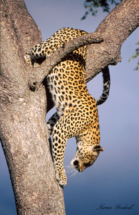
114 30
57 56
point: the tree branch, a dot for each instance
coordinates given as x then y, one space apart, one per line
114 29
121 22
37 78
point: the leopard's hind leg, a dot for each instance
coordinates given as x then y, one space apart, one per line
52 121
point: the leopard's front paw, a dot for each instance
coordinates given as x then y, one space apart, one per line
61 178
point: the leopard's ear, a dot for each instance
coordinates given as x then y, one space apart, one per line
98 148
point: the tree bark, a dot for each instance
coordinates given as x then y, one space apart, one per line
23 129
114 29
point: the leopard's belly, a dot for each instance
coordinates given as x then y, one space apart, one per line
67 85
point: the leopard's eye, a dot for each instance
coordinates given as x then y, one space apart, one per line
87 164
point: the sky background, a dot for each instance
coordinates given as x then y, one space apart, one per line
114 177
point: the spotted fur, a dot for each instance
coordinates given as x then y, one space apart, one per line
77 114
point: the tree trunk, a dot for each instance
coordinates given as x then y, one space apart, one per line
23 129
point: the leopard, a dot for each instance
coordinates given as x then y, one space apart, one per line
77 112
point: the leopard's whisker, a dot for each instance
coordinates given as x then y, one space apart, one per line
74 173
68 168
70 171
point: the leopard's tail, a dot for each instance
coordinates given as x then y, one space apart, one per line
106 86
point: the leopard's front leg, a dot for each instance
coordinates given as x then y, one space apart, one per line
58 151
61 132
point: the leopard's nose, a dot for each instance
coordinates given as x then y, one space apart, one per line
76 163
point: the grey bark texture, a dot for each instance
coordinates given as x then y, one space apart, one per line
23 129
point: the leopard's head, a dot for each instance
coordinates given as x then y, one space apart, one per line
85 156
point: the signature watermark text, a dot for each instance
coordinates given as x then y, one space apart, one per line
116 207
